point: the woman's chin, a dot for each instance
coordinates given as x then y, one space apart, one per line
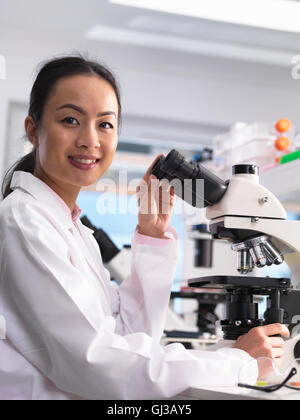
86 185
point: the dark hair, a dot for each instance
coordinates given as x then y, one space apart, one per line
50 73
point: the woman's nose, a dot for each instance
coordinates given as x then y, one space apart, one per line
89 137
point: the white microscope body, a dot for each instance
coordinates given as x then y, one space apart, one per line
248 206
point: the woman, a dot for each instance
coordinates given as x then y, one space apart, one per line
70 333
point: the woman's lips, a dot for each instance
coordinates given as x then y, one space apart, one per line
83 166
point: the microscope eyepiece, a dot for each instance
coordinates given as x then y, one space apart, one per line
245 169
174 167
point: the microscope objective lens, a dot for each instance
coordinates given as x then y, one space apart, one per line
244 264
258 256
274 256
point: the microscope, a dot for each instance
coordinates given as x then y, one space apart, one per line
254 223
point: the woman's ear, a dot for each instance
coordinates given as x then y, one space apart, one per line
32 131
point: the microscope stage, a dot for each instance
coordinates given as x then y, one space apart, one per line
258 285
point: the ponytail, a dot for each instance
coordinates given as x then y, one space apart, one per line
25 164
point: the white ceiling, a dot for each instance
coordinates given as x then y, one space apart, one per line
63 21
222 72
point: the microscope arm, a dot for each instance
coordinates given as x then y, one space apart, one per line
245 196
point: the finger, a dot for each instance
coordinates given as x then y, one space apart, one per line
141 189
166 198
276 342
153 194
144 199
276 329
168 190
147 174
165 189
277 353
172 201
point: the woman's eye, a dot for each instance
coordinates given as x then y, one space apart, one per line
73 121
106 125
70 121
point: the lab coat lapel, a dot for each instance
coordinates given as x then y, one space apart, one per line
91 255
90 305
93 258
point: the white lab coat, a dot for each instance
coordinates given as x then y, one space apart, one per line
70 332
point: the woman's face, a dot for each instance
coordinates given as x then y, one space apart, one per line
80 121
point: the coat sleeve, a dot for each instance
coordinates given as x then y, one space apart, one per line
51 331
140 304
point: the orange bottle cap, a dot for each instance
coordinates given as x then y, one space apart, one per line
283 125
282 143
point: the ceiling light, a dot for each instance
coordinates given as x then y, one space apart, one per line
280 15
188 45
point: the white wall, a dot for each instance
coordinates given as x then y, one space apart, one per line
171 86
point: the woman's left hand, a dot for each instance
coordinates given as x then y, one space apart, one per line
156 203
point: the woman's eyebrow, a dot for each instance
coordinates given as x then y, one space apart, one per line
81 111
